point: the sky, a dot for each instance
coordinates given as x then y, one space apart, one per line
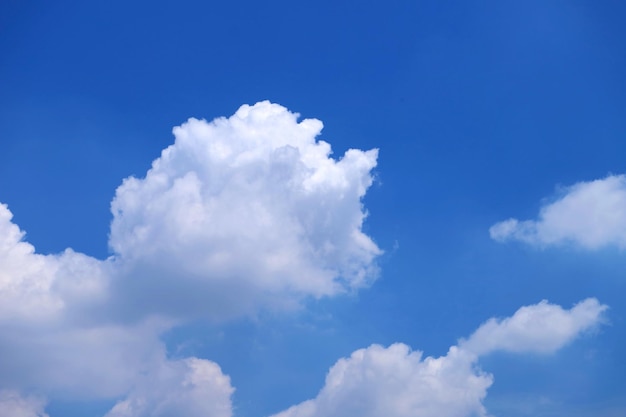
312 209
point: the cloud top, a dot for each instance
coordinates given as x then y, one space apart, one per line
252 204
589 214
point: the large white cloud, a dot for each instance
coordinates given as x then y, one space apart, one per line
398 382
247 211
238 215
589 214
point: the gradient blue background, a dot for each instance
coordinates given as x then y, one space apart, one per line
480 109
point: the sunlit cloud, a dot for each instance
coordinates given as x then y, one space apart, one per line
590 214
398 382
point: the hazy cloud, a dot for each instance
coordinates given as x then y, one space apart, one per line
12 404
190 387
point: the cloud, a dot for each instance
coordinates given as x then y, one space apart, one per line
190 387
248 211
50 337
14 405
71 361
238 215
37 287
25 277
398 382
540 328
589 214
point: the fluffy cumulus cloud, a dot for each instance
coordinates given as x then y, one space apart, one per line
239 214
75 361
589 214
398 382
25 278
38 287
248 210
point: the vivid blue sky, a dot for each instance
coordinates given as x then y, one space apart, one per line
481 113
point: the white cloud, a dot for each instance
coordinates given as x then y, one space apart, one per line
12 404
396 382
590 214
190 387
240 214
55 338
39 287
540 328
248 211
25 277
52 337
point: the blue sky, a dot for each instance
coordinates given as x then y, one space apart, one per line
248 248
